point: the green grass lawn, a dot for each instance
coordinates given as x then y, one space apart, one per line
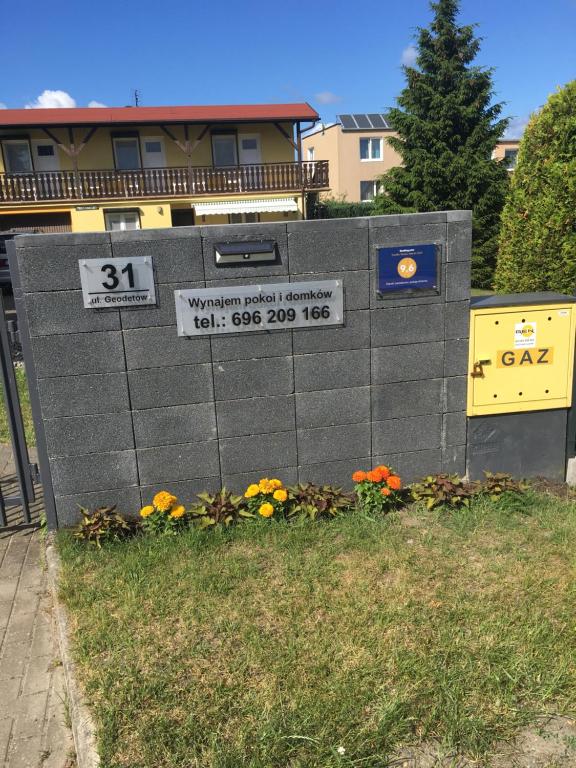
272 645
26 410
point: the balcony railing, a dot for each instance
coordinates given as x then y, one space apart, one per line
162 182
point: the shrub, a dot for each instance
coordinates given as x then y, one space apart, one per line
222 508
443 490
377 491
165 515
537 249
497 484
266 498
316 501
101 525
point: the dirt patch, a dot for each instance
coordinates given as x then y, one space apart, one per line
554 488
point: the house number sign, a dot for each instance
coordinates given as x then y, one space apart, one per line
271 307
125 282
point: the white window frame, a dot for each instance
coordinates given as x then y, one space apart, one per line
371 159
143 152
108 215
310 154
375 189
515 150
233 137
5 142
135 139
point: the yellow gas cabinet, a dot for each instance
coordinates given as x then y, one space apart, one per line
521 353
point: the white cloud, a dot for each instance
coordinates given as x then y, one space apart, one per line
95 104
2 105
516 127
327 97
409 54
52 100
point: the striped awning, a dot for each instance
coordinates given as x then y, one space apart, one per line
270 205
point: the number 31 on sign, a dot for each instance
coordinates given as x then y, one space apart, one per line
117 282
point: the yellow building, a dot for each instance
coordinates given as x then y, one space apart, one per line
358 152
86 170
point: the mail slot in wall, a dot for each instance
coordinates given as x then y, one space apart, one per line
246 251
521 353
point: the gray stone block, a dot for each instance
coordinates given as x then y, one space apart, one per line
186 461
458 281
247 346
79 395
333 443
356 286
78 353
457 319
61 311
412 466
338 473
332 370
456 393
328 249
243 233
332 407
175 424
255 416
100 433
459 216
414 433
407 325
176 259
185 490
406 398
303 226
409 362
355 334
239 482
63 238
164 313
236 379
226 279
459 246
455 428
162 347
127 501
254 453
408 219
416 233
454 460
456 363
55 267
93 472
179 385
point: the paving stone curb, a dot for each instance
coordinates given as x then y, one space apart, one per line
83 728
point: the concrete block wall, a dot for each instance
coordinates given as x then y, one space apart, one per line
129 408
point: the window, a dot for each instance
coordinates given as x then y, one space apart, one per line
17 156
370 149
120 221
511 155
369 190
45 150
249 144
224 150
243 218
311 153
126 153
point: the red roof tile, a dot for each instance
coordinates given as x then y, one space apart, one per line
133 115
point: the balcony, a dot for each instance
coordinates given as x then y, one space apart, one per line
162 182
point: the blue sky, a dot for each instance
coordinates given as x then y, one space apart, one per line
338 55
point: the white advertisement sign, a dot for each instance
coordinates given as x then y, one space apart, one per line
524 335
206 311
127 282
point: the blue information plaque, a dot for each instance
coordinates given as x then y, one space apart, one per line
408 268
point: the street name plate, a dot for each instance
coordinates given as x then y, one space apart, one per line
205 311
125 282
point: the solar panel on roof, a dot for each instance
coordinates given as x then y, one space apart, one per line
377 121
362 121
347 122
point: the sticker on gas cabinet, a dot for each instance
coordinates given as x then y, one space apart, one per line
524 335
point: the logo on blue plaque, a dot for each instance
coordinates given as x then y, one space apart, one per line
408 268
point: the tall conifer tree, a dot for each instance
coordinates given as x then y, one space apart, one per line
447 129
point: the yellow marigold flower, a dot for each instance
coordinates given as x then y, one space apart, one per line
164 500
280 494
275 484
177 511
264 485
266 510
147 510
252 490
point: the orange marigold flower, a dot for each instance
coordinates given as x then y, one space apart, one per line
359 476
384 471
374 477
385 491
394 482
377 474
